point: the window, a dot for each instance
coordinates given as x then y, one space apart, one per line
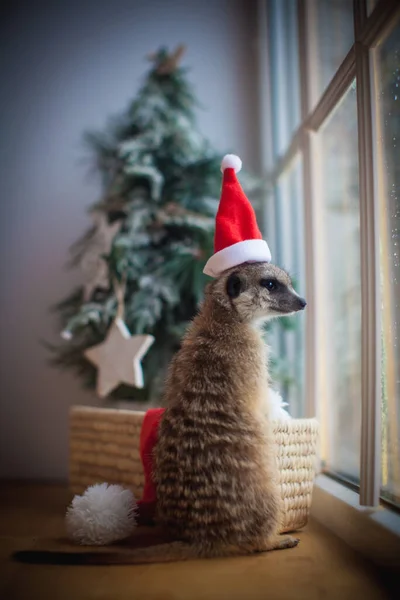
289 332
338 244
331 36
283 50
387 104
330 71
285 199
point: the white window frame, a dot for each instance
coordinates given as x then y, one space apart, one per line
369 31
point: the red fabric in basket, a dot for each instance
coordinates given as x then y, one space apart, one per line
148 439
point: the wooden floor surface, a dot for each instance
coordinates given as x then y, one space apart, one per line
321 567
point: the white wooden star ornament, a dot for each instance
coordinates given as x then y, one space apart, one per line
118 357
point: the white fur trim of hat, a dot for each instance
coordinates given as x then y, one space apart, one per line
246 251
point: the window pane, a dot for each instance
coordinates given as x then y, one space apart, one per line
331 37
287 336
338 280
370 6
284 70
387 73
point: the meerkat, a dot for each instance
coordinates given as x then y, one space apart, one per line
214 463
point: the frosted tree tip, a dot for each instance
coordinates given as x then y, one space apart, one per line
231 161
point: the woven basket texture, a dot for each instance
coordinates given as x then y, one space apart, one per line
104 447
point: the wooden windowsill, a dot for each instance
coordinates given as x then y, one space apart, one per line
374 532
322 566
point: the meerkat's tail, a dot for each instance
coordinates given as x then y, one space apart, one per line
169 552
161 553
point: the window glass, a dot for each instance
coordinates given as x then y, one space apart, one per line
339 291
387 85
284 72
287 335
330 39
371 5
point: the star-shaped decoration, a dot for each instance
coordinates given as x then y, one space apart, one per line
118 358
93 264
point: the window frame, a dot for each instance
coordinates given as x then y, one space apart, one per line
369 30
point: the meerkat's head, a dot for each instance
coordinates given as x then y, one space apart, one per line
257 292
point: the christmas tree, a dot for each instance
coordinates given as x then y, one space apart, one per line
153 228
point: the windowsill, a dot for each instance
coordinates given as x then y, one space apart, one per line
374 532
320 567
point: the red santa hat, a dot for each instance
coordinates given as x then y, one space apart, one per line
237 236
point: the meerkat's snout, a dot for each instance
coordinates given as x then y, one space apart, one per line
280 297
299 303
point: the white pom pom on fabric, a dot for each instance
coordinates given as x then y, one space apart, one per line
102 515
231 161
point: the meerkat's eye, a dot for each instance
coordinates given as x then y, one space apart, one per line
270 284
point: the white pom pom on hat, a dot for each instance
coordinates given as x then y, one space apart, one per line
231 161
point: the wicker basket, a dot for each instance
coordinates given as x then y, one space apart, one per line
104 446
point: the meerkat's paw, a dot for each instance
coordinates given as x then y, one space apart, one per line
286 542
276 543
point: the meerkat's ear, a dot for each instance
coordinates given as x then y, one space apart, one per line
233 286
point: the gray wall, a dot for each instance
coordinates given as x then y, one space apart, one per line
65 67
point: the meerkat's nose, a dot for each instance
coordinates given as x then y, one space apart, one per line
302 303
